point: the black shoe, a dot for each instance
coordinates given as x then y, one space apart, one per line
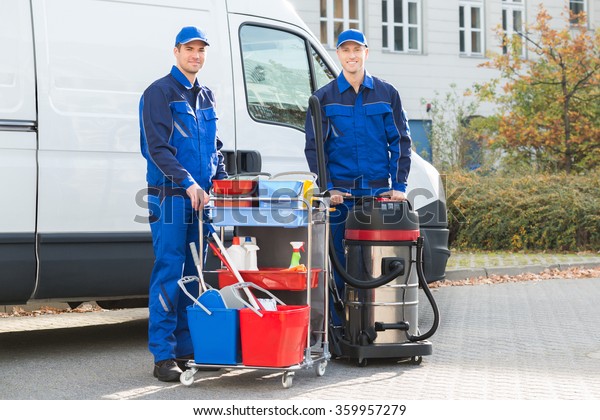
167 371
181 362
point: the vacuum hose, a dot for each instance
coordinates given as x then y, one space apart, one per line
396 269
317 123
425 286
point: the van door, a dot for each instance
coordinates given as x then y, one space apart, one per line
98 57
18 168
279 69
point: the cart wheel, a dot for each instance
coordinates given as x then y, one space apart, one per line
362 362
320 368
416 360
186 377
287 379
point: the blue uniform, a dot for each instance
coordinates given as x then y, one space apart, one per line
178 138
367 144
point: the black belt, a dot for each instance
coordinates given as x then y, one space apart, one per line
358 183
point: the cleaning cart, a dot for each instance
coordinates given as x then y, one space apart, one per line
251 327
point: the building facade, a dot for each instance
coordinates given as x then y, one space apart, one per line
425 46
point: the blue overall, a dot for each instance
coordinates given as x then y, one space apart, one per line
178 138
367 146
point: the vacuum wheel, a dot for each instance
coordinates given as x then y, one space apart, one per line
362 362
416 360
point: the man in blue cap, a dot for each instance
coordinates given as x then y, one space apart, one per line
178 138
366 137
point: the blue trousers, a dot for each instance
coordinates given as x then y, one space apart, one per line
174 225
337 220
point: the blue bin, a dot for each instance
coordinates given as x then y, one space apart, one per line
286 191
254 216
215 337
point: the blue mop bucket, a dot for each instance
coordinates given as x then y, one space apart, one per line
215 337
215 333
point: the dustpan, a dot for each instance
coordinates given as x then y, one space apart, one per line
231 297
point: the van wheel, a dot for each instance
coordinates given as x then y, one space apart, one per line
74 305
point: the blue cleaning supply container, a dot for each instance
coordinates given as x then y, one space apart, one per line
215 337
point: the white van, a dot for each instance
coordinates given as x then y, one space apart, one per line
73 224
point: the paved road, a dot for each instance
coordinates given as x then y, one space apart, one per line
529 340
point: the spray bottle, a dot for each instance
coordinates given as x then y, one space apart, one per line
298 246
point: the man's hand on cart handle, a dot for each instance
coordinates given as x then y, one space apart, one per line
337 197
198 196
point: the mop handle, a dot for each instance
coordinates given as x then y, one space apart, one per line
194 251
200 235
234 270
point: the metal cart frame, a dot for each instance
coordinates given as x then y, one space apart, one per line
314 356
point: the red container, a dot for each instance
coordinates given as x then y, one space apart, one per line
278 339
235 188
229 187
271 278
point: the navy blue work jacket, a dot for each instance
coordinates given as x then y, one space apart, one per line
178 133
366 135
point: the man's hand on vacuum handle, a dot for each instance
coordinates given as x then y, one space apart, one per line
394 195
198 197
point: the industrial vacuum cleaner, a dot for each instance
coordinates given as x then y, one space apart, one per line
379 308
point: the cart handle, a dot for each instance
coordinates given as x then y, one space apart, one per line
188 279
305 173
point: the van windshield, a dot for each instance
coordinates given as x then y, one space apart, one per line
278 74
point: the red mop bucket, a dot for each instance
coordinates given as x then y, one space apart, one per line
277 339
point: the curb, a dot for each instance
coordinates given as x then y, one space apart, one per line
466 273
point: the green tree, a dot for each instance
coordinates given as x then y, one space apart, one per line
548 105
452 141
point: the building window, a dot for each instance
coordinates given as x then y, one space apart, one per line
512 22
401 25
577 6
337 16
471 28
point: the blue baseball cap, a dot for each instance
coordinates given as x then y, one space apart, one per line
189 34
352 35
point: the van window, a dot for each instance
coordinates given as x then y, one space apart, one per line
322 73
278 75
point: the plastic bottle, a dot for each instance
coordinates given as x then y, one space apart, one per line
298 246
249 240
237 254
251 248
